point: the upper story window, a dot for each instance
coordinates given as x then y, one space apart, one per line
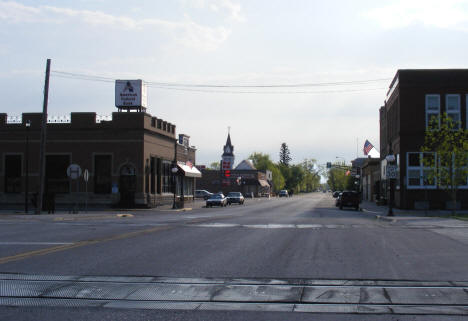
432 109
453 109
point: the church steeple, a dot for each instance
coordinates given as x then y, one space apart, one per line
227 159
228 148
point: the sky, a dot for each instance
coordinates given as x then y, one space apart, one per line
356 45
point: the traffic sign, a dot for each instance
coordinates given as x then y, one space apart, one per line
392 171
74 171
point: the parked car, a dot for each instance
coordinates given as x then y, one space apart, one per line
235 197
349 199
336 194
283 193
216 200
201 193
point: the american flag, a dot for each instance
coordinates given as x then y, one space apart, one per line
367 147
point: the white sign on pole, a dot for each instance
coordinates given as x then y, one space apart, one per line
86 175
392 171
74 171
130 94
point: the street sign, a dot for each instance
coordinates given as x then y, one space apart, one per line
86 175
74 171
392 171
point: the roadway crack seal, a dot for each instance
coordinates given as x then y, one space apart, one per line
25 255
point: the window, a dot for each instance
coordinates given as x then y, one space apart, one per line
453 109
432 109
166 177
102 174
12 173
421 170
56 174
153 174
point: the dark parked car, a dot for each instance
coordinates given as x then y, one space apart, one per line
349 199
235 197
216 200
283 193
336 194
201 193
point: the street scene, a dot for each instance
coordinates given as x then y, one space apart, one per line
233 160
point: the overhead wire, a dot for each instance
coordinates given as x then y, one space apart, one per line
214 88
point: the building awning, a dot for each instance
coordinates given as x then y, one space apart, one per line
189 171
263 183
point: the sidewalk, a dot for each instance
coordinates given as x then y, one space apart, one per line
400 215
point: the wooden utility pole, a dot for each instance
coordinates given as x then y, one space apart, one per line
43 141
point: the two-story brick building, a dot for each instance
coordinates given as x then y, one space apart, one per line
413 98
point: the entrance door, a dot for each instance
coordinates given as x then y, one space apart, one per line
127 186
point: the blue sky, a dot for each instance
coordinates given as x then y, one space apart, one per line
231 42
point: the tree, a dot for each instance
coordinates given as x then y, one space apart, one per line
445 152
284 155
263 162
215 166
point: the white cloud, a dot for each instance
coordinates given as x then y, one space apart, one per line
448 14
185 32
234 10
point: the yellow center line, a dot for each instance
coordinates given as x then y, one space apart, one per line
25 255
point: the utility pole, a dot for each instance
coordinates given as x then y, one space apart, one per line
43 141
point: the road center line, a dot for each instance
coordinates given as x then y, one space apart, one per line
35 243
25 255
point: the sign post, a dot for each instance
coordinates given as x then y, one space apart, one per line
74 172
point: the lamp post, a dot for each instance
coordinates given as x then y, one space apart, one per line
390 161
26 185
174 171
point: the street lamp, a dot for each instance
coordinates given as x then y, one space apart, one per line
174 181
26 185
390 160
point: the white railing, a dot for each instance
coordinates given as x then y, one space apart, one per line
100 118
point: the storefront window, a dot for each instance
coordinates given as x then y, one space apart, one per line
12 173
102 174
57 180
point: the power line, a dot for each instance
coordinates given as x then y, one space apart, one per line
206 88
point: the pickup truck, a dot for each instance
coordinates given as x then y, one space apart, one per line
349 199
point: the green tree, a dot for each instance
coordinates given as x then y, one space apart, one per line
263 162
445 152
284 155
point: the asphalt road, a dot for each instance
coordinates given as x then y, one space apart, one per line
271 259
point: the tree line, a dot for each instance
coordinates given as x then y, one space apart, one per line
302 177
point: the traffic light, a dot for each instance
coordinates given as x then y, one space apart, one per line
227 173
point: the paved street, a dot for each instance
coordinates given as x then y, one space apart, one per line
272 259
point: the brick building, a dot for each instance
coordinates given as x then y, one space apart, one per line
129 159
413 98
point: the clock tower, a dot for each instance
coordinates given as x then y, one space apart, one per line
227 159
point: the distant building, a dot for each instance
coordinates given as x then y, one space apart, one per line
413 98
370 179
245 178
